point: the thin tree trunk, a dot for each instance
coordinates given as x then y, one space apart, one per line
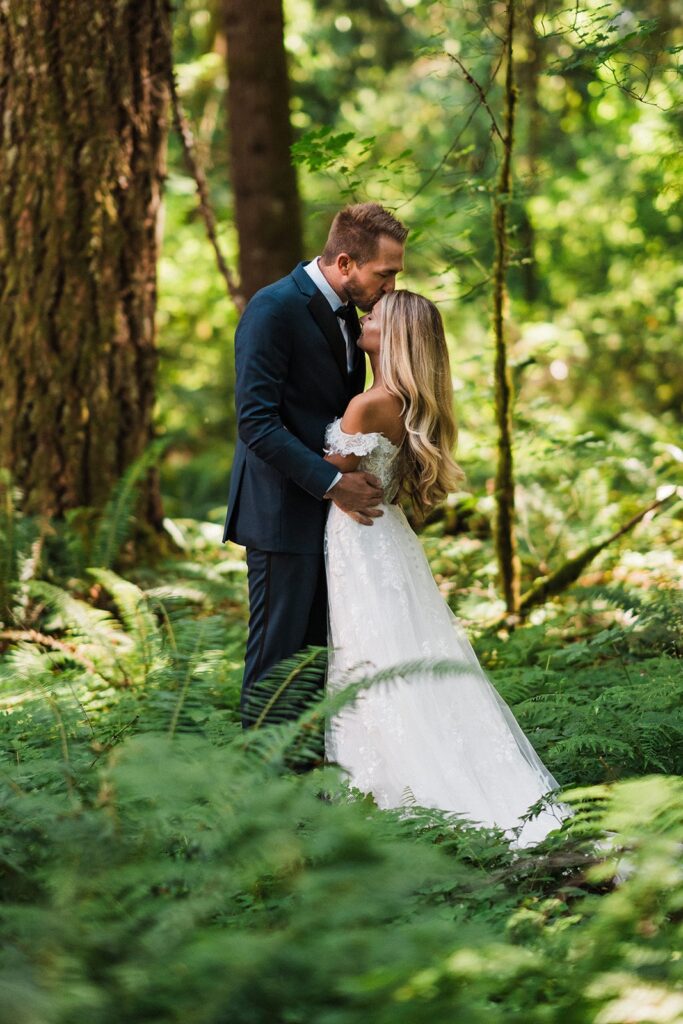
529 72
83 100
506 548
267 211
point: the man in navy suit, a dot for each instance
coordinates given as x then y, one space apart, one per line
297 367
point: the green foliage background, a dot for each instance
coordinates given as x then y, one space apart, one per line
156 863
384 113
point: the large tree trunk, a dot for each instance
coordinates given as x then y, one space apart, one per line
83 100
267 211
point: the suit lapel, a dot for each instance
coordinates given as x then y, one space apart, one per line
322 313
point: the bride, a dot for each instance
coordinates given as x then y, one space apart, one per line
447 741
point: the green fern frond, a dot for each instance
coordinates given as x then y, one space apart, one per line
97 638
145 655
176 594
71 614
221 582
292 706
9 523
131 603
625 598
18 534
115 523
595 743
22 671
289 688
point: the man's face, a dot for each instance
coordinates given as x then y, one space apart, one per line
367 283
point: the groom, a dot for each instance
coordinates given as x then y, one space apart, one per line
297 367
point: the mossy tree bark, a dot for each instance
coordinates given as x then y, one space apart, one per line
506 547
267 209
83 100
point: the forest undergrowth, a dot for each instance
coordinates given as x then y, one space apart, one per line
159 864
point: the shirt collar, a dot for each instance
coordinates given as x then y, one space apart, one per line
318 278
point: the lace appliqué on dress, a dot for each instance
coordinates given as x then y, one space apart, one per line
378 455
339 443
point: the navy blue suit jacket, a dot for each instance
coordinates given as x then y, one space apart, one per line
291 381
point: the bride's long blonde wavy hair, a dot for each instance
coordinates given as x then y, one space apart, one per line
415 367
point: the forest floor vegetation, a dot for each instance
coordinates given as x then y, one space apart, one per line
157 863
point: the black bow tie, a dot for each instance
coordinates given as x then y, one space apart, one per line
348 313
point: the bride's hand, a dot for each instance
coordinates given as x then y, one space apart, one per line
358 494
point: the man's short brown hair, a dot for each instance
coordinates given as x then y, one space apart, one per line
356 230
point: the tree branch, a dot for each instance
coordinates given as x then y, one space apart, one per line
482 95
189 148
556 582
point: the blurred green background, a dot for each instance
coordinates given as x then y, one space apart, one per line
382 112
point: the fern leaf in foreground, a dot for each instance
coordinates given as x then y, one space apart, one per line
292 706
289 688
116 521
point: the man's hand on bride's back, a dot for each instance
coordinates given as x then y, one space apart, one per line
358 494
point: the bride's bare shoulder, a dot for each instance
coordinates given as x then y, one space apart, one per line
375 410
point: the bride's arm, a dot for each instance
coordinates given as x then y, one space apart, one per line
370 413
354 421
344 463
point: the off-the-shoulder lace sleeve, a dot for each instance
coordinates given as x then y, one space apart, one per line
339 443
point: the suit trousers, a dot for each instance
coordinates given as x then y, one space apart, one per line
287 611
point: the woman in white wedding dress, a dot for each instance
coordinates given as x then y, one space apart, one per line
447 741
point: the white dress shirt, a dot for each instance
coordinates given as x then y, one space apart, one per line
320 281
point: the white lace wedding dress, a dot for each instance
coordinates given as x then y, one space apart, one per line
446 741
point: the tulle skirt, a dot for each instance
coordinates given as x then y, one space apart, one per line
445 741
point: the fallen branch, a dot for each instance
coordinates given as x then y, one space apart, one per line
549 586
32 636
